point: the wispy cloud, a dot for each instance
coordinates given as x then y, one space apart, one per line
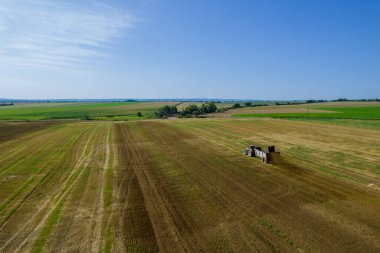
58 34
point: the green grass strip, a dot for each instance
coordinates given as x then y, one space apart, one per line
337 174
108 240
46 231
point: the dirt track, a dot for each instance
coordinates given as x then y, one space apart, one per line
184 186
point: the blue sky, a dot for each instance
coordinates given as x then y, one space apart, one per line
266 49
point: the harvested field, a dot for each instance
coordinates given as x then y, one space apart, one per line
184 186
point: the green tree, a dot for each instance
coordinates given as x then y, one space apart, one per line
173 109
196 113
211 107
139 114
166 109
204 109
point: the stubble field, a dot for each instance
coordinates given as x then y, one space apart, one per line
184 186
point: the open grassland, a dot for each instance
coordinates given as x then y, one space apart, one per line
88 111
184 186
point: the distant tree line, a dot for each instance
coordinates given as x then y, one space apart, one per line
6 104
356 100
166 111
310 101
189 111
246 104
194 110
290 103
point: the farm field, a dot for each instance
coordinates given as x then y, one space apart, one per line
332 110
184 186
88 111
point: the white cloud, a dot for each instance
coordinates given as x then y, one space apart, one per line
58 34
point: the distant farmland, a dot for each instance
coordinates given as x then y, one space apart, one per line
87 111
357 114
346 110
108 111
184 186
332 113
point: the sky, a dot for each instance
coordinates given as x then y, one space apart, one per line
247 49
